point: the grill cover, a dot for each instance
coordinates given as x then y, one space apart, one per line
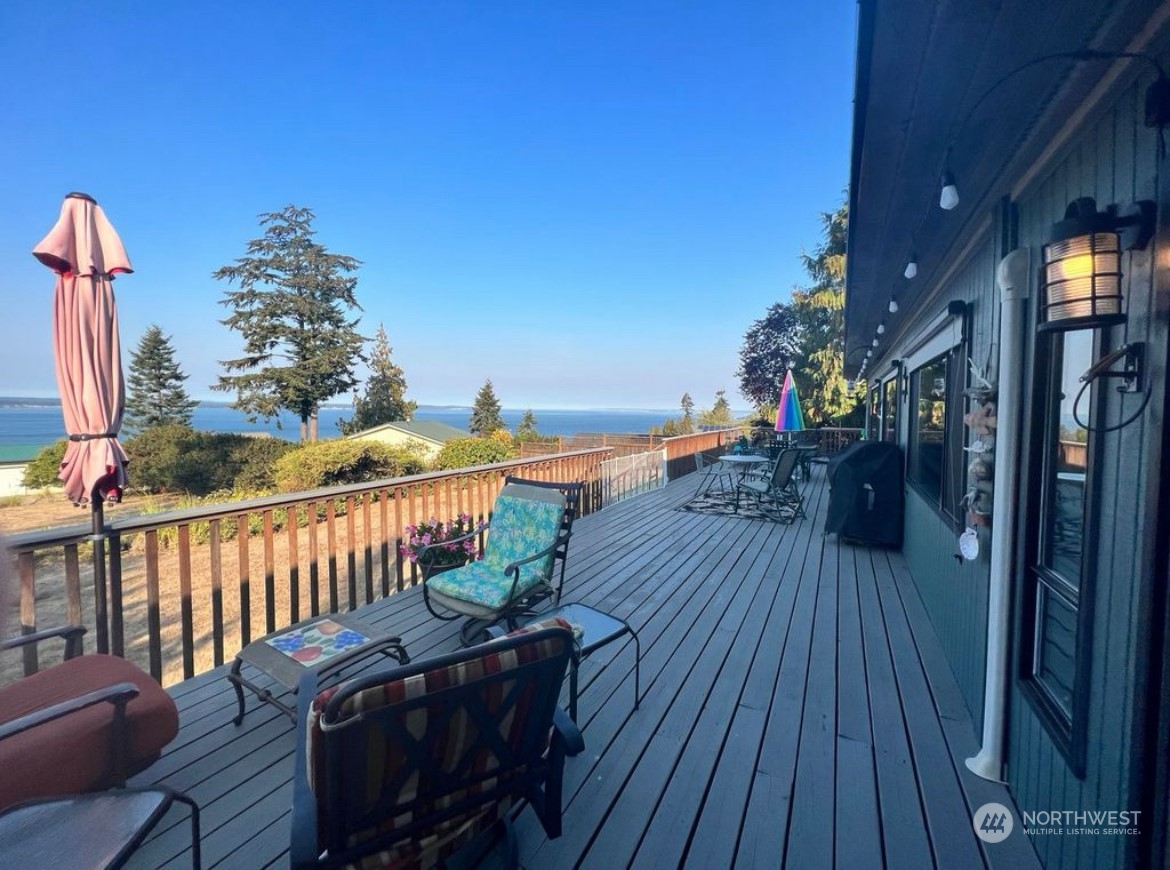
866 494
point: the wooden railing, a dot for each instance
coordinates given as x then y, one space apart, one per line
830 439
187 589
622 445
681 449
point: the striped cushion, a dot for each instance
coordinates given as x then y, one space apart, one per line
449 749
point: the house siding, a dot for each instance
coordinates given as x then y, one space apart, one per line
1113 160
954 592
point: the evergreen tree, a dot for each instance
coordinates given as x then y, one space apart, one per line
526 431
485 414
719 416
824 392
807 335
385 399
688 414
291 304
155 395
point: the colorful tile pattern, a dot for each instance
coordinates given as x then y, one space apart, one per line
316 643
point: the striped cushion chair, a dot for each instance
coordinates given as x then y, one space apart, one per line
406 767
529 532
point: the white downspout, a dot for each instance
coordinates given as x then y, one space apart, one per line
1012 278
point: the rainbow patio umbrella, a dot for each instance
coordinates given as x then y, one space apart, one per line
788 415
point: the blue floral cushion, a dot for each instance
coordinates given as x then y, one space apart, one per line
520 528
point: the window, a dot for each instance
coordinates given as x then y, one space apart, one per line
890 410
935 457
873 416
1056 623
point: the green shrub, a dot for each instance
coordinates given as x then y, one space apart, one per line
178 459
343 461
467 452
254 461
42 470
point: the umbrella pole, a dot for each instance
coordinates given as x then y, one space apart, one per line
98 538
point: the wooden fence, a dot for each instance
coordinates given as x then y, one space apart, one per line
189 588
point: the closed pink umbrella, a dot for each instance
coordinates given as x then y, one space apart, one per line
85 252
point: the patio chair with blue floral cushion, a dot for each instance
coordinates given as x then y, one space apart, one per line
527 535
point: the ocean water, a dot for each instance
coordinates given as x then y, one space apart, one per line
37 425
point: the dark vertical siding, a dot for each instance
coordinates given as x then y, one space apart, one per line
1113 161
955 596
955 593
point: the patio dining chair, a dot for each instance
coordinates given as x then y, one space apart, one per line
713 470
423 763
527 535
775 491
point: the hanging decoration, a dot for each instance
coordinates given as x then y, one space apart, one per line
981 420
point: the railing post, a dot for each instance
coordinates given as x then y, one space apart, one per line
101 614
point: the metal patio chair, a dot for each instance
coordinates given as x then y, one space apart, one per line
83 725
528 534
775 491
713 470
422 763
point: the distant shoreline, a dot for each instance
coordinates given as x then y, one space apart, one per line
54 402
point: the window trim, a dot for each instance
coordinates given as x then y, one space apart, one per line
1069 733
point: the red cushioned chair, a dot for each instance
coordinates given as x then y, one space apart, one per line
409 766
80 726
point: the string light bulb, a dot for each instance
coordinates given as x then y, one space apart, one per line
949 197
881 329
912 267
893 305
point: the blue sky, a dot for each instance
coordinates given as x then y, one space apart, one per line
588 203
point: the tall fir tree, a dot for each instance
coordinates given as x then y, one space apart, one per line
526 431
820 374
807 334
291 302
688 414
385 399
720 413
485 414
155 395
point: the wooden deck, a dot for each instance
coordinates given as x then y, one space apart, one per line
797 710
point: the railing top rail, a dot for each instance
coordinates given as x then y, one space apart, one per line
77 533
704 432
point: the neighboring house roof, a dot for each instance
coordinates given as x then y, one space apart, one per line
11 453
425 430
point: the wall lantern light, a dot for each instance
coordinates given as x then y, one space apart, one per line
1081 273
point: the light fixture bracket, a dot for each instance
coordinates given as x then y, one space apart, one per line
1135 223
1133 356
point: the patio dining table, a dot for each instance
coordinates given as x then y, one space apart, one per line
743 462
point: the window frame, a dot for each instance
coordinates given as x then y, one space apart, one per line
1068 729
873 412
946 500
890 402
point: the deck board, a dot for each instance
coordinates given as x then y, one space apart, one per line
796 710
